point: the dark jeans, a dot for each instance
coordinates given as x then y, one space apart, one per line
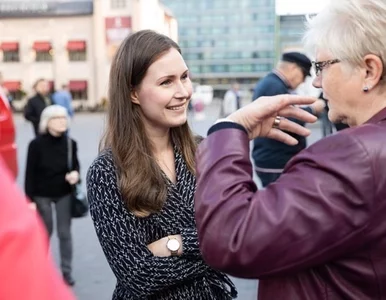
63 225
267 178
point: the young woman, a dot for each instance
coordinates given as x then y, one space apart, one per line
141 186
48 178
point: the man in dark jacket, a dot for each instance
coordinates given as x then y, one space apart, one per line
271 156
37 104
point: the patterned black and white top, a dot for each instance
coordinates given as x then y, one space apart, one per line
124 239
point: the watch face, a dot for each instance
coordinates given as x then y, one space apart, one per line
173 245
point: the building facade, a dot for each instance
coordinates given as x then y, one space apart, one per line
71 42
291 31
227 40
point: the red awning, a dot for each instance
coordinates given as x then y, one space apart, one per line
77 85
12 86
42 46
9 46
76 45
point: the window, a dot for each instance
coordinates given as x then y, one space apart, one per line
43 56
76 50
193 56
234 54
11 56
10 51
43 51
77 55
194 70
217 55
235 68
78 89
241 68
262 67
116 4
219 68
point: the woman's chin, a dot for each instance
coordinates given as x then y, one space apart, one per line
181 121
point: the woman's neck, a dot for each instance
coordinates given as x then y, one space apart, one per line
55 133
160 139
370 105
161 143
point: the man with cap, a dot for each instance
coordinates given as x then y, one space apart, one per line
270 156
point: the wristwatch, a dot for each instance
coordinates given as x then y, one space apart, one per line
173 245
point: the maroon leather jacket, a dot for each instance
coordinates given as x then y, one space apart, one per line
319 232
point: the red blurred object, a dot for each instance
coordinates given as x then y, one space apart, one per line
8 149
27 270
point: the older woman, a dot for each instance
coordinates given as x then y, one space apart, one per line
48 178
319 232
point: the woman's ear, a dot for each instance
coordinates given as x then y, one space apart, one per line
134 97
374 70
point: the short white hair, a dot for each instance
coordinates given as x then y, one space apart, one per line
349 30
50 112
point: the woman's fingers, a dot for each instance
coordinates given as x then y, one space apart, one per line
297 113
281 136
290 126
286 125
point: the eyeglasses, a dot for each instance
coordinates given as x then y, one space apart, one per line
320 65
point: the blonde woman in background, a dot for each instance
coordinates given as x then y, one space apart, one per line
48 179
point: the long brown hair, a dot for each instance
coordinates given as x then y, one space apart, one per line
140 179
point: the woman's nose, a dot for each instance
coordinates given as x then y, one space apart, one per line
317 82
182 90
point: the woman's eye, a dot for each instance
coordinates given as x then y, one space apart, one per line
166 82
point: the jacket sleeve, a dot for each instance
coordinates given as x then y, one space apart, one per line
29 112
32 161
190 243
135 267
317 210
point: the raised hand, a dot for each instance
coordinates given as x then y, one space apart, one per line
267 117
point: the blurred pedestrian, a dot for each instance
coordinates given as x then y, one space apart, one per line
27 272
36 104
48 179
319 231
142 184
64 98
232 99
270 156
